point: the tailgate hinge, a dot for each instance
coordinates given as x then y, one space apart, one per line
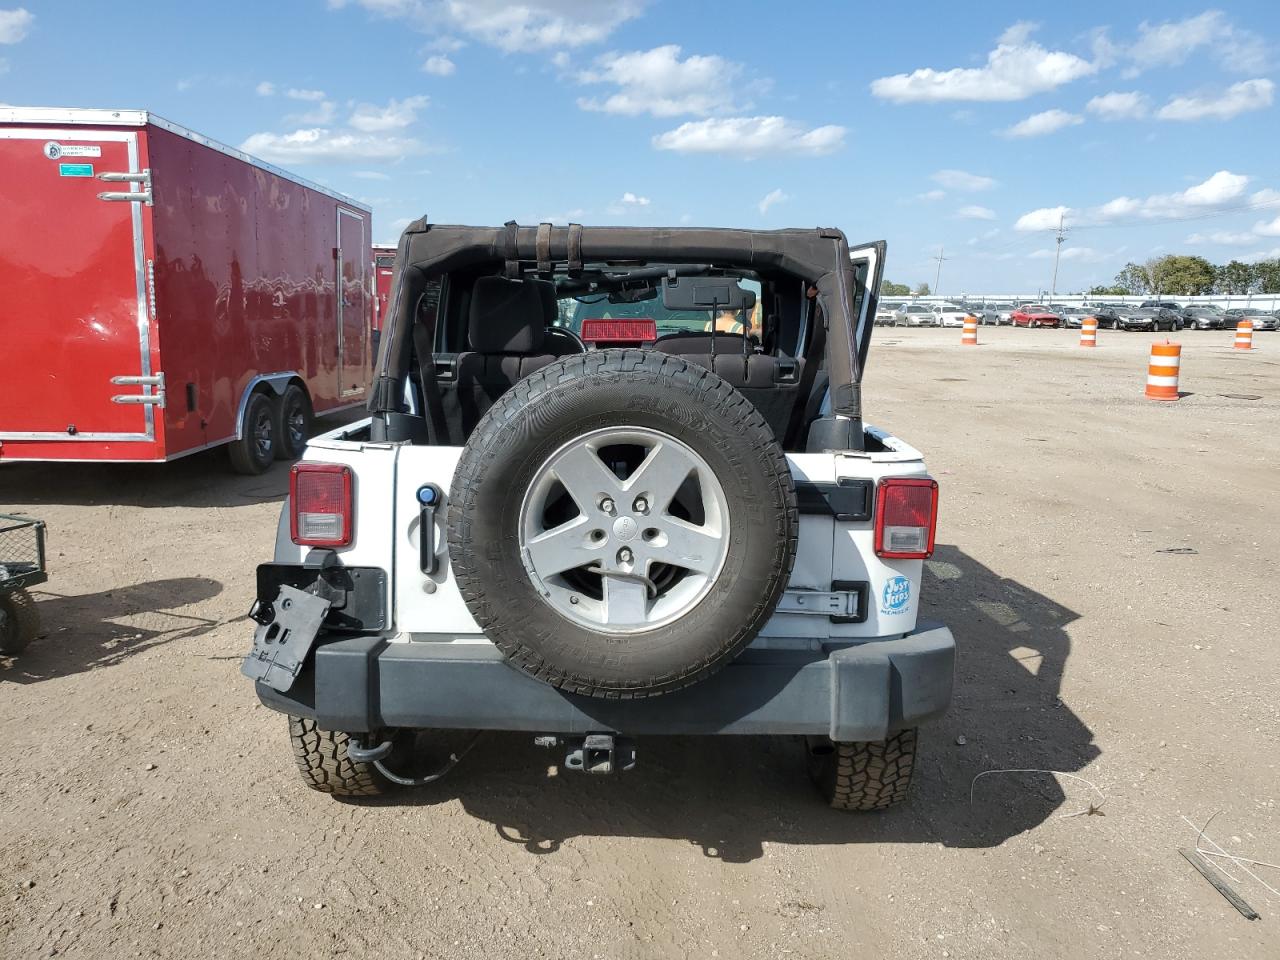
846 604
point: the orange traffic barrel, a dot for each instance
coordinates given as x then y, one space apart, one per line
969 336
1244 335
1089 332
1162 371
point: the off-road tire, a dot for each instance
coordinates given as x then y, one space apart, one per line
322 760
566 400
247 456
868 775
294 403
19 621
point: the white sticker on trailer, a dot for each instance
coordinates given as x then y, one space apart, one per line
56 151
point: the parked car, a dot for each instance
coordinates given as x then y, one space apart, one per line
1073 316
1153 319
1259 319
1035 315
951 314
1203 316
1107 315
461 563
1003 312
887 313
917 315
985 312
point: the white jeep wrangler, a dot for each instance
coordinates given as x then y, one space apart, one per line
615 482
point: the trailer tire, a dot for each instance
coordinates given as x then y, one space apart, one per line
255 450
322 760
296 421
865 775
707 582
19 621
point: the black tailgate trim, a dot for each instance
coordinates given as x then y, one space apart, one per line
849 498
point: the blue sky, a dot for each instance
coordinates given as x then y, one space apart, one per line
913 123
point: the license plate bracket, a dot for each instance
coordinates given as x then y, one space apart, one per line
281 645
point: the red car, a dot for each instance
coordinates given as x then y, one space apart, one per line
1035 315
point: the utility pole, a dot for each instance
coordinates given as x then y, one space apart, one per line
937 277
1060 238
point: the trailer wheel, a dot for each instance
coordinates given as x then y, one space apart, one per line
256 448
19 621
295 424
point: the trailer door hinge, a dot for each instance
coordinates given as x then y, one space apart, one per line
156 383
140 177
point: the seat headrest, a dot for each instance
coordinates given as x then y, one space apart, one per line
506 316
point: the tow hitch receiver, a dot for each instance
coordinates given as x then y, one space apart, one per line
595 753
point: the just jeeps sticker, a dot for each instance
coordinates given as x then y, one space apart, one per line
896 595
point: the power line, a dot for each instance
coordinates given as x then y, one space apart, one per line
937 277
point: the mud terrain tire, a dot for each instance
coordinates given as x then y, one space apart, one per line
322 760
865 776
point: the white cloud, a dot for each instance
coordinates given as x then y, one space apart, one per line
575 215
322 114
319 144
1172 43
371 175
983 237
1046 218
14 24
1016 69
658 82
1223 238
751 137
309 96
396 115
632 200
1086 254
772 198
1257 255
1236 99
1129 105
931 195
523 26
439 66
265 89
1267 229
1222 190
961 180
1039 124
976 212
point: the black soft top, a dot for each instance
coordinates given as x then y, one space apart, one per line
817 255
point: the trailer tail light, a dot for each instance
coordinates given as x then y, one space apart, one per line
320 498
906 517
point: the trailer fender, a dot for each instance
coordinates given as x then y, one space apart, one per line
277 382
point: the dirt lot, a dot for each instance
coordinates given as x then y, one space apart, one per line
150 808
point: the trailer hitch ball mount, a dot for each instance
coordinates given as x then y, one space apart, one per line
598 753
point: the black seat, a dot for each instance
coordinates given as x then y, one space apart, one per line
506 331
771 383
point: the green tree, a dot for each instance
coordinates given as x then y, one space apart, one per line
1135 279
1266 274
1112 291
921 290
1178 275
891 289
1234 277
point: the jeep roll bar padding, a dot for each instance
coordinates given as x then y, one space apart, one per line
817 256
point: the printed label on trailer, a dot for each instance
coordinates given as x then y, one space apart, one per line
895 596
75 169
56 151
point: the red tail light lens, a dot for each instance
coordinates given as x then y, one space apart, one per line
906 518
320 497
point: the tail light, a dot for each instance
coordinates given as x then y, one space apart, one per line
320 498
906 517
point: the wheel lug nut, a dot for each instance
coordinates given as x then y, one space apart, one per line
606 505
624 555
641 505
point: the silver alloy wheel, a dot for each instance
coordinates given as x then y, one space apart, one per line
626 545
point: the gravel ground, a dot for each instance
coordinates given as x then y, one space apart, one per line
150 806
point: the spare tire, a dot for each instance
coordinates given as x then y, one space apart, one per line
622 523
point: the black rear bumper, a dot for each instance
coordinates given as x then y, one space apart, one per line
861 692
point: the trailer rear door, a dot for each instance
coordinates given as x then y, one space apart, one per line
73 306
353 302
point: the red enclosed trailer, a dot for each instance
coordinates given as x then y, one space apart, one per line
164 293
384 261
